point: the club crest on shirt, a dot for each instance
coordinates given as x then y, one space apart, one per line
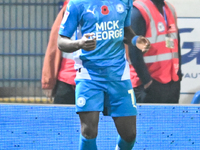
161 27
81 101
120 8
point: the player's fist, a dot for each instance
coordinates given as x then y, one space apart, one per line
88 42
143 44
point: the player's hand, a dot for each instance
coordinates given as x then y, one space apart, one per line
48 93
88 42
143 44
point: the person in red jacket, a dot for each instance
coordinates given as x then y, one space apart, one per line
58 71
156 74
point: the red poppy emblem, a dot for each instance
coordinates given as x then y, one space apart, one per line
104 10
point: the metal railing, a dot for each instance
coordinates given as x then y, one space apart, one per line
24 31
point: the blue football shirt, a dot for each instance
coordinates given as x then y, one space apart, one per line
106 19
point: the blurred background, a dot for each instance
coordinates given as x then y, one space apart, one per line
188 24
24 32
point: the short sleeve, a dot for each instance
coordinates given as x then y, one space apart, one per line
70 21
128 17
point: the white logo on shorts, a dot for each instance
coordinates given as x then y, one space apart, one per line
81 101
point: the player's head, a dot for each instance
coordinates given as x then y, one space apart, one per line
159 2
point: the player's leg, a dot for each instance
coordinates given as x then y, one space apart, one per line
89 130
126 127
123 110
64 93
89 102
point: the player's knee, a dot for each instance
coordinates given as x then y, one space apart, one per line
89 132
130 137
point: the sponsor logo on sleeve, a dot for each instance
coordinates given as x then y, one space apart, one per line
65 17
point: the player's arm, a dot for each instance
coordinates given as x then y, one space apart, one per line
68 26
65 44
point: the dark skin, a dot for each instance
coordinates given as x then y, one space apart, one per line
65 44
126 126
159 4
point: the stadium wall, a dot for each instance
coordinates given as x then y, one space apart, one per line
56 127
